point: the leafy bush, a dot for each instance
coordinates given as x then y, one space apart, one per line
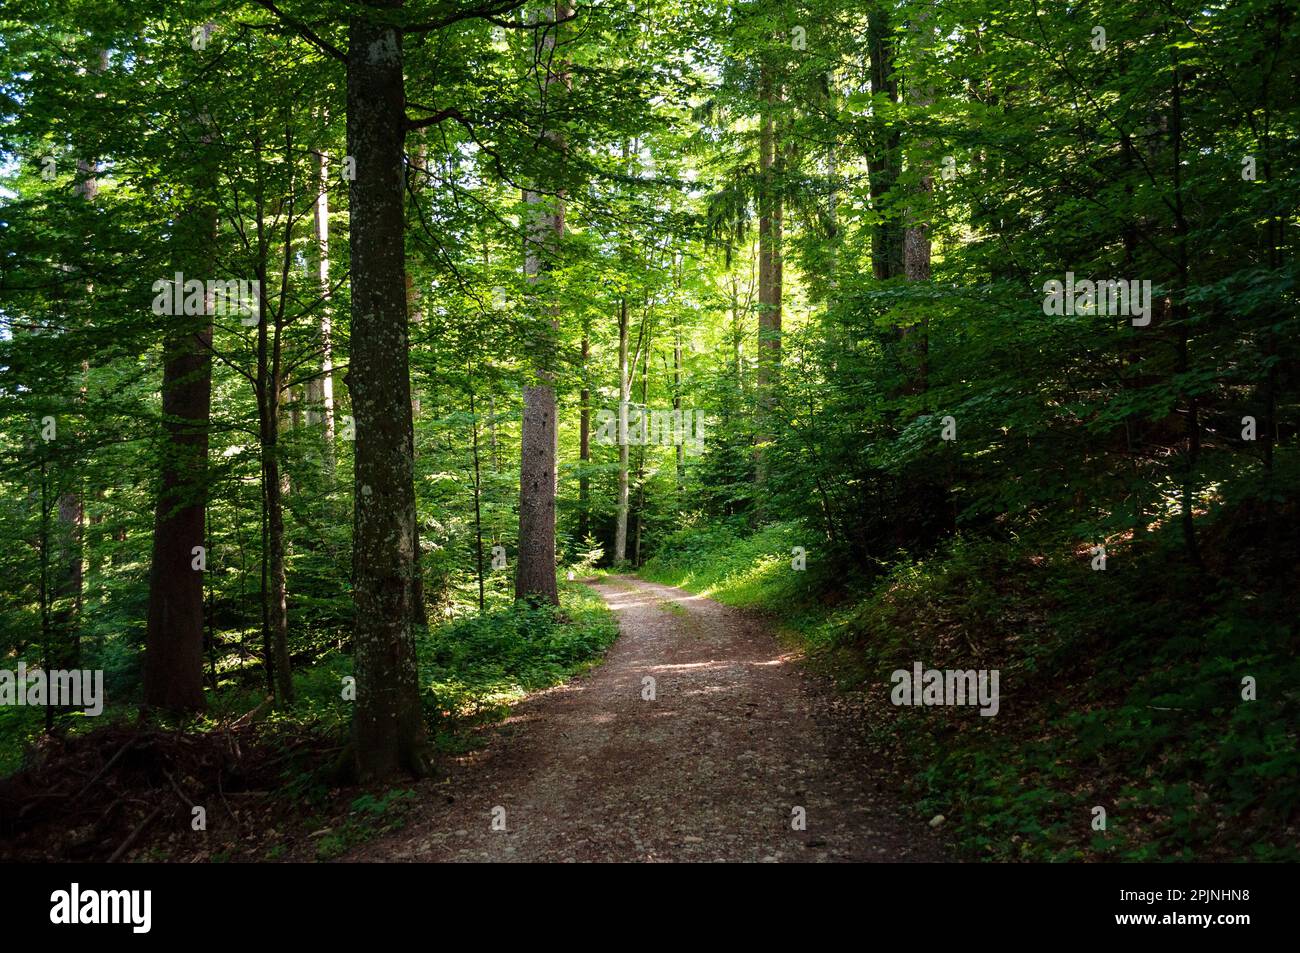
475 666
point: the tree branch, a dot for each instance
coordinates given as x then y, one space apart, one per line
304 31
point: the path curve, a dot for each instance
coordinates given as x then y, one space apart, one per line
711 769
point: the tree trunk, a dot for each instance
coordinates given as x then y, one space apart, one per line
584 447
886 236
69 584
916 234
535 574
478 492
275 594
173 660
1182 322
278 611
320 390
641 452
624 396
677 385
769 265
388 725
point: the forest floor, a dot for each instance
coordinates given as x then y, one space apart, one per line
737 737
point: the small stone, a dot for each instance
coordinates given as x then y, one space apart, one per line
937 820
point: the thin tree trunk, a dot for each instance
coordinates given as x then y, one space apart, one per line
769 264
478 494
641 452
624 396
320 390
269 388
584 446
69 585
1181 322
680 443
46 628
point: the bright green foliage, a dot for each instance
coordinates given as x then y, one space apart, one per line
1026 147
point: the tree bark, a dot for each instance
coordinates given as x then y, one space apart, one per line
624 396
769 265
388 726
275 594
641 451
678 267
584 447
320 390
173 660
1182 322
915 339
882 164
535 574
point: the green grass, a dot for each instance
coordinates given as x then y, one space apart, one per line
474 668
752 572
369 817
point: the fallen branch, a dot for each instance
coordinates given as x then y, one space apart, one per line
111 761
135 834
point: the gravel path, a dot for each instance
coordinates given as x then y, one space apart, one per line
736 738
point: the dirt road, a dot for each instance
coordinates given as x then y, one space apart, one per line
719 757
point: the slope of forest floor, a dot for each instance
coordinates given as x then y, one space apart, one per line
1119 690
247 782
700 738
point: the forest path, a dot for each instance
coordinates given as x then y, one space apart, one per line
711 769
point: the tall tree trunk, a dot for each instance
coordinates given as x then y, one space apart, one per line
277 583
916 234
769 263
1182 321
46 626
320 390
418 614
882 164
69 584
173 660
270 390
535 573
584 446
641 452
624 396
478 491
275 589
388 726
680 449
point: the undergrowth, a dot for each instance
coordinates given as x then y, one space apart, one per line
1114 693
